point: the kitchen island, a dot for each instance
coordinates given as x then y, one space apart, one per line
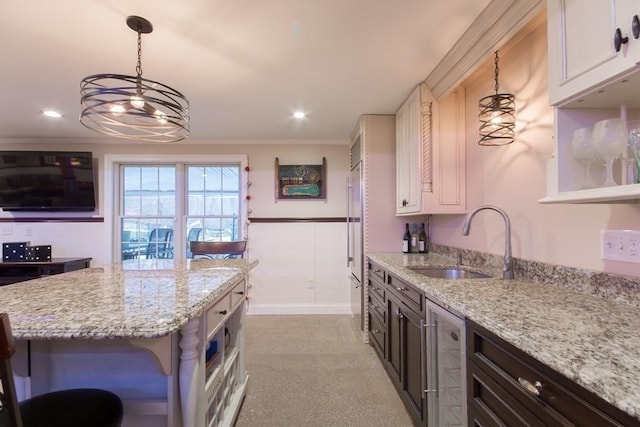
591 340
167 336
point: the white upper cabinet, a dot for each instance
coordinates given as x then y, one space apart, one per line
430 154
590 81
592 44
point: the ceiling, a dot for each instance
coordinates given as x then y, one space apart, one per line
244 65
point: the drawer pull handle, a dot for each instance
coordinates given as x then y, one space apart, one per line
375 331
534 388
240 292
401 289
223 312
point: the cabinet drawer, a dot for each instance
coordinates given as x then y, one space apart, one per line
377 334
376 272
217 314
378 308
490 405
554 399
237 294
409 296
376 288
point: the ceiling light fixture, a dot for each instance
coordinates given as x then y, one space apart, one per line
497 116
299 115
52 114
133 107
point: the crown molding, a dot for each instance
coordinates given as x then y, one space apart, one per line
497 23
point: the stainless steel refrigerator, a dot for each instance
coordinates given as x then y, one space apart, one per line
354 233
371 214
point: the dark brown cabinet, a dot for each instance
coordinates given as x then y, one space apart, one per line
14 272
406 361
507 387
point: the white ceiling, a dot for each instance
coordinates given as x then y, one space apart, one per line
244 65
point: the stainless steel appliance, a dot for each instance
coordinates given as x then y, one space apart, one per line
445 355
354 232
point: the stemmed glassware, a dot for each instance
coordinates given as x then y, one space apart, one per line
583 151
609 138
634 147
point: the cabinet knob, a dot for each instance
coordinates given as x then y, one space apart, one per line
223 312
618 40
404 203
533 388
635 26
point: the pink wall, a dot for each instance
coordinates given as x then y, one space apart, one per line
513 177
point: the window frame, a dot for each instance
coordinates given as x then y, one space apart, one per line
113 187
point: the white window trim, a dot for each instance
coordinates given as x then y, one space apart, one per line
111 191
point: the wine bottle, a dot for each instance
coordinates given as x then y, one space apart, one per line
423 240
405 239
413 246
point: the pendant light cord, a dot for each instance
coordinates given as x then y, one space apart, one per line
495 73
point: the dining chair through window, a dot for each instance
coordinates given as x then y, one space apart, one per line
65 408
218 250
160 243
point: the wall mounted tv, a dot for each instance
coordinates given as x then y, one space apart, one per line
46 181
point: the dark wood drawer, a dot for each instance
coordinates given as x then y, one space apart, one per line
376 288
409 296
376 272
553 398
377 334
378 307
491 405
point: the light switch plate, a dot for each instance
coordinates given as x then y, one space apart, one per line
621 245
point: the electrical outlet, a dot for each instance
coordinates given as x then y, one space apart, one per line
621 245
612 245
29 231
6 230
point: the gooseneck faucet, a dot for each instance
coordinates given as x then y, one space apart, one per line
507 266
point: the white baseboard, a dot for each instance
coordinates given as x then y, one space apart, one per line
258 309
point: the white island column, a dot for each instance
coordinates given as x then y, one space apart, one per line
190 374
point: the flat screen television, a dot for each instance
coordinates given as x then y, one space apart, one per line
46 181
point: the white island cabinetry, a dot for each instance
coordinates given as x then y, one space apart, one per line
168 337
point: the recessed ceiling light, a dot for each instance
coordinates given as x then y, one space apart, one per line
52 114
299 115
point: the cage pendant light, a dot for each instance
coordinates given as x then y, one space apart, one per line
497 115
134 107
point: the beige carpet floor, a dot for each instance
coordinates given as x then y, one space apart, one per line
315 371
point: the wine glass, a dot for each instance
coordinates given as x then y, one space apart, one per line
634 147
583 151
609 139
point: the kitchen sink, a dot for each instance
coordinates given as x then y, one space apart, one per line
448 273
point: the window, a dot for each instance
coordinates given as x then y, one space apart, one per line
161 204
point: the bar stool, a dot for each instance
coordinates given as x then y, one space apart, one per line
66 408
225 250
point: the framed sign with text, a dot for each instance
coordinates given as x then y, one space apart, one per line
301 182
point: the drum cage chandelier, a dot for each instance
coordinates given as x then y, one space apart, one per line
497 115
133 107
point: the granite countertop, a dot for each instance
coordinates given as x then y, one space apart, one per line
133 299
593 341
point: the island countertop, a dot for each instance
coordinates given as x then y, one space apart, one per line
133 299
591 340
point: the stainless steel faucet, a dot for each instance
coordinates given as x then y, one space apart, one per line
507 266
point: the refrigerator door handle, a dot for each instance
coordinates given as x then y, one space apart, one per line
349 191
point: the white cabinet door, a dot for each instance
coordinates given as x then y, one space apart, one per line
408 155
582 51
430 154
